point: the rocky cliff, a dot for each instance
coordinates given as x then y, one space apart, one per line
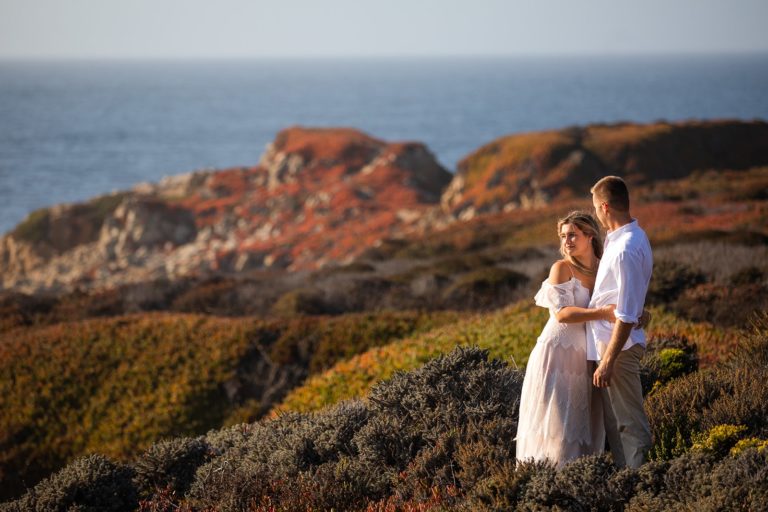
532 169
327 195
317 195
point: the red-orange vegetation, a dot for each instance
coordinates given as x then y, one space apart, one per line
565 163
609 140
112 386
349 145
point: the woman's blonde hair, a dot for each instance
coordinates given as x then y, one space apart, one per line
589 226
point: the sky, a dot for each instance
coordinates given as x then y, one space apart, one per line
116 29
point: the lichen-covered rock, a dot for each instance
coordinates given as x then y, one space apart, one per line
317 196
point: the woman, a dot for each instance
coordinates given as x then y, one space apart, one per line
558 420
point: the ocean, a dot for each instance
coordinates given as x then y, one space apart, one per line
71 130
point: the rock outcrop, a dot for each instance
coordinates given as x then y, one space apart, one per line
532 169
317 195
326 195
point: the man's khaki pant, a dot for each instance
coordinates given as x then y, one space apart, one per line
626 425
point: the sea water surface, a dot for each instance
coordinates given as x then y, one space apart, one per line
70 130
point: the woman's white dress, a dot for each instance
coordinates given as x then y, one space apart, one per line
558 419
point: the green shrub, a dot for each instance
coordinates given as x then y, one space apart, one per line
417 423
647 479
36 227
330 486
233 437
744 402
667 358
504 487
229 483
433 466
674 413
699 481
99 208
265 455
752 350
33 229
170 464
387 443
745 444
440 437
673 362
684 479
703 400
733 393
471 389
92 483
719 439
485 445
186 374
583 484
739 482
431 420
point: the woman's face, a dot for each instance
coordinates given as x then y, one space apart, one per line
574 242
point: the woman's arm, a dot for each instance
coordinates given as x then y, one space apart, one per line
573 314
559 274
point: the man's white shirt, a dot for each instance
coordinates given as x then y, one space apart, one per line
622 279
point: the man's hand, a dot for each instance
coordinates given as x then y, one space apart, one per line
602 376
607 313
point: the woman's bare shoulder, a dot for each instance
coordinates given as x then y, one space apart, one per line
560 272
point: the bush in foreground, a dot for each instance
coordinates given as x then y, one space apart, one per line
117 385
92 483
667 358
734 393
415 424
440 437
420 430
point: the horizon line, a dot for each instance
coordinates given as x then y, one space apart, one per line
322 57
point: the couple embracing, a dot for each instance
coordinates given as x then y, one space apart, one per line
582 382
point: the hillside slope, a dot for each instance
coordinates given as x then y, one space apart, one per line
116 385
533 169
440 437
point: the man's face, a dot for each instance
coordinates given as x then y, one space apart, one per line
598 205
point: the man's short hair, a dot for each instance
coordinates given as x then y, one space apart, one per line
613 191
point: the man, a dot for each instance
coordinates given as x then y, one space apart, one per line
622 279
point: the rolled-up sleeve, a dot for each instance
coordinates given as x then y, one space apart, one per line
631 286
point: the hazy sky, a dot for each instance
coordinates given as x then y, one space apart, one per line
307 28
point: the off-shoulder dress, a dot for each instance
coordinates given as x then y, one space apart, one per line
560 417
